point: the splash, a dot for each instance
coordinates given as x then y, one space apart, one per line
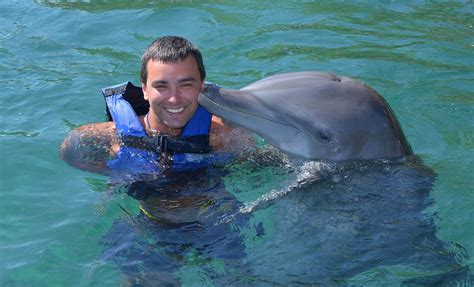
307 173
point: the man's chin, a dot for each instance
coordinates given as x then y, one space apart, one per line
176 121
175 124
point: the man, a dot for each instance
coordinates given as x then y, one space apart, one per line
172 76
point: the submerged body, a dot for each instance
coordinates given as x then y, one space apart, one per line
179 224
314 115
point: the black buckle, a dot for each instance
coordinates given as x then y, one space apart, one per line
160 142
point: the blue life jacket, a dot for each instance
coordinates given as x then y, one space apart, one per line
124 103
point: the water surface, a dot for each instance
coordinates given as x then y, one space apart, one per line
56 55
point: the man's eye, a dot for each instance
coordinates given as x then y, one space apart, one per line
186 85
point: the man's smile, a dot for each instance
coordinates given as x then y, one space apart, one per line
174 110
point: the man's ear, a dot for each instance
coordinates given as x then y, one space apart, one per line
145 95
203 85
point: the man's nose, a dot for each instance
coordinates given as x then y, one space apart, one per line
175 95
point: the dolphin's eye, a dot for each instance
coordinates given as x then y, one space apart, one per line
323 136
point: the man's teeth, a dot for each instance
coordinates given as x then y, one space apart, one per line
174 111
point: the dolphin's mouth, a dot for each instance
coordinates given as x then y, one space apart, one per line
245 113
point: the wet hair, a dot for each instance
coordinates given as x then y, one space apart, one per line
171 49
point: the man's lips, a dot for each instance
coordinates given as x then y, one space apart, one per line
174 110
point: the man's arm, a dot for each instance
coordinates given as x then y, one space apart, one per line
89 147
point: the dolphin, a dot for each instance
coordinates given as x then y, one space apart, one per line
314 115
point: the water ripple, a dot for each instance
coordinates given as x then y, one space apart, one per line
19 133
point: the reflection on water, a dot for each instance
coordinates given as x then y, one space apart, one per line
108 5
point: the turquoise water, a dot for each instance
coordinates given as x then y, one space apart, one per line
56 55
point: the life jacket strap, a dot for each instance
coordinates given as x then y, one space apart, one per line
169 144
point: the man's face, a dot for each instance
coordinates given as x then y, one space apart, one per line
172 90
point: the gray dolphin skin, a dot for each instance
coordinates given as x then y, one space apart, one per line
314 115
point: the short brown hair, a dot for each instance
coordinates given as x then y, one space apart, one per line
171 49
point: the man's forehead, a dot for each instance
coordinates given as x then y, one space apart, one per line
185 65
171 61
165 73
186 69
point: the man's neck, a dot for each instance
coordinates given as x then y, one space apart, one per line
153 125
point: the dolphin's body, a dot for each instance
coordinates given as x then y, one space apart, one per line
314 115
364 224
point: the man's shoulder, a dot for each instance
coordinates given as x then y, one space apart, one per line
102 127
103 133
89 146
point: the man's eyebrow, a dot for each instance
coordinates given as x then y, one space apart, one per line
158 82
187 79
164 82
